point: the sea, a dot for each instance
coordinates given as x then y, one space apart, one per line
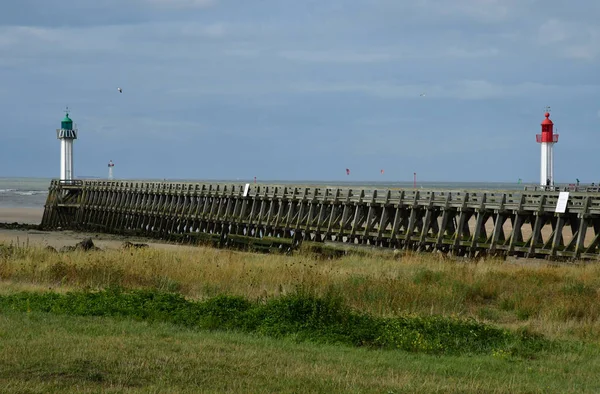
32 192
23 192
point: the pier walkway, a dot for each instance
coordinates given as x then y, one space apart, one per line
462 222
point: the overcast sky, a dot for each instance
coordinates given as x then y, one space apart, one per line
301 89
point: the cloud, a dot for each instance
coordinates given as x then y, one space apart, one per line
151 127
478 10
464 90
419 144
181 3
85 13
214 72
488 9
19 35
383 55
554 31
336 56
570 39
463 53
212 30
114 40
241 52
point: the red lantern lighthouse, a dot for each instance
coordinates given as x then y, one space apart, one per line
547 140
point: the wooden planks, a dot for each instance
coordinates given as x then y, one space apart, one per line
460 222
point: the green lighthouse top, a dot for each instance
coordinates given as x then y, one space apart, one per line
66 123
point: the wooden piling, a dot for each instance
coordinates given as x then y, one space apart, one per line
464 223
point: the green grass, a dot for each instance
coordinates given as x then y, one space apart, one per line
213 320
557 301
44 352
301 316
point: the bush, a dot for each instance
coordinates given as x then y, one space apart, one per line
301 315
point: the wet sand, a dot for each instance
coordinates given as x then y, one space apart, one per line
21 215
58 239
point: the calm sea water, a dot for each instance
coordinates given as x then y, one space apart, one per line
32 192
23 192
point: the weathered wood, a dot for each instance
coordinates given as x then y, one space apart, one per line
461 222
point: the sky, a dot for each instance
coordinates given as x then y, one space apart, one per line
301 89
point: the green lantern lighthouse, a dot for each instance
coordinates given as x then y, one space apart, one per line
66 134
66 123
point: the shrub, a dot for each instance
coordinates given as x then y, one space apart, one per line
300 315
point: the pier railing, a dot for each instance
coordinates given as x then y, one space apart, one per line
462 222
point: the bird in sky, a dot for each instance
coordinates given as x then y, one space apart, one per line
120 90
422 94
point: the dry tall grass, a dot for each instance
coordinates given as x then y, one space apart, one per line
559 301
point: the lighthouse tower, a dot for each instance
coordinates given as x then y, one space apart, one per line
110 169
547 140
66 134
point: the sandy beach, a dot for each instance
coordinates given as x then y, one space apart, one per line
21 215
58 239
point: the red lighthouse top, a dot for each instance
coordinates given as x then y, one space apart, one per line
547 120
547 131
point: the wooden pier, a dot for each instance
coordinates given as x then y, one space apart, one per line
463 223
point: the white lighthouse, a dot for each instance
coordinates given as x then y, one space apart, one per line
547 140
110 169
66 134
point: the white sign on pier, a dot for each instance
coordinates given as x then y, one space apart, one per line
561 204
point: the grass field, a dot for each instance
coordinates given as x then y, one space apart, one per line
67 351
44 352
